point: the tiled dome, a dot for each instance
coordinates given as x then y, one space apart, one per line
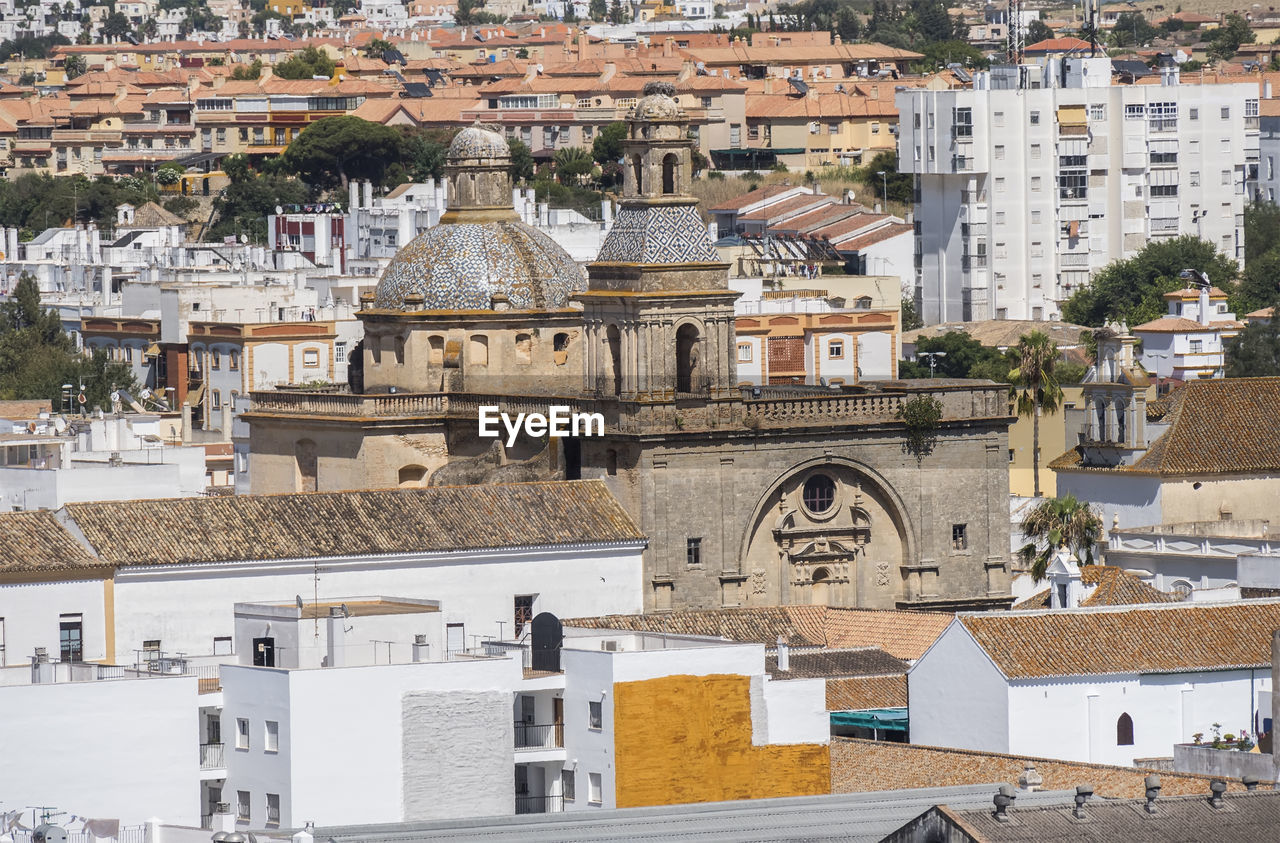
478 142
462 266
658 103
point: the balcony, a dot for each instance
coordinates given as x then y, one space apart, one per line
211 756
539 804
531 736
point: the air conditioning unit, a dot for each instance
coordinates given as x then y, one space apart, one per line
814 128
609 646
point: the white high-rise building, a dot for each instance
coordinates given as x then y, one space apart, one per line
1039 176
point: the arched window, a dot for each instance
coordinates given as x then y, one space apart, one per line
399 351
560 349
478 353
412 475
1124 730
821 578
669 164
1120 414
687 354
637 171
611 462
435 352
524 348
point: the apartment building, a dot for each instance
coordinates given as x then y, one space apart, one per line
1039 176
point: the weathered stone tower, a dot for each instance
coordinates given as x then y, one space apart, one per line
658 310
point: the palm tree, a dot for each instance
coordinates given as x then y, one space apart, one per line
1035 386
572 164
1059 522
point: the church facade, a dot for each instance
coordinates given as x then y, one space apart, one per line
749 496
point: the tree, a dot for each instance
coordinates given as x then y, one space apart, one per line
521 161
1059 522
310 62
333 150
921 415
376 47
932 23
1035 387
572 163
1132 290
74 66
1259 284
116 26
1132 30
1255 351
617 15
964 357
242 208
910 317
597 9
424 153
1225 41
901 185
1261 229
169 173
247 73
607 146
1038 31
940 54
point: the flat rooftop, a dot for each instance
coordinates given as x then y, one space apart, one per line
361 607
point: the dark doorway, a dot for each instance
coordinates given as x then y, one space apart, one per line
264 652
614 338
687 354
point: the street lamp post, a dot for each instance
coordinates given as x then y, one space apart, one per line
933 359
884 180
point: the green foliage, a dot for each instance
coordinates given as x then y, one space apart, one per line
169 173
1260 282
1255 351
37 357
521 161
1225 41
901 185
1261 229
1131 290
1038 31
31 47
921 415
572 164
74 66
116 26
1035 388
470 13
1059 522
965 358
424 153
910 317
940 54
333 150
243 207
36 201
376 47
607 146
310 62
247 73
617 14
183 206
598 9
1132 30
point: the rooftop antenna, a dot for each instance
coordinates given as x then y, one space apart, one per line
1091 23
1016 37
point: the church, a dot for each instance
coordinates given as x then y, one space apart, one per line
750 495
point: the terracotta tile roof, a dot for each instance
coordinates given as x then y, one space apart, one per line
36 541
905 635
858 693
1148 639
1057 45
23 410
1112 587
1172 325
750 198
793 206
849 226
856 661
267 527
887 232
1225 425
818 106
151 215
860 766
1003 333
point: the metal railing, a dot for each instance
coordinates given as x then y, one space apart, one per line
212 757
539 735
539 804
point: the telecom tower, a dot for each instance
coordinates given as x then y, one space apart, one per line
1016 38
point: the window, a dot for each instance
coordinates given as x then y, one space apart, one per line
744 352
1035 183
242 806
1035 217
595 796
1226 115
1097 111
1035 151
151 646
962 123
959 536
1226 177
242 733
271 736
523 613
217 399
999 184
311 357
71 638
215 359
835 350
128 354
595 715
1163 190
234 361
998 118
999 152
833 128
1193 114
1012 452
1164 158
1197 346
568 785
819 493
1035 118
693 552
999 217
1135 112
1124 726
273 809
222 645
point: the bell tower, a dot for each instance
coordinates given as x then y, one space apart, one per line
658 308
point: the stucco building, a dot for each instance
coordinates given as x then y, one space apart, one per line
750 495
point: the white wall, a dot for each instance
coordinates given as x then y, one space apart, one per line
876 355
958 697
31 611
794 711
589 677
187 606
1135 500
457 754
128 748
1165 708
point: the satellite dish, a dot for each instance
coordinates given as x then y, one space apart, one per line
279 210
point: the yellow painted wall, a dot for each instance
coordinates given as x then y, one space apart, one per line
1053 443
682 739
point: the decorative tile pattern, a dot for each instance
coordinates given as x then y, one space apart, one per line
462 266
659 234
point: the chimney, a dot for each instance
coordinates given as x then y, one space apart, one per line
1083 792
335 627
1217 787
1030 780
1003 801
1204 303
1152 783
784 655
1250 783
668 47
421 648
